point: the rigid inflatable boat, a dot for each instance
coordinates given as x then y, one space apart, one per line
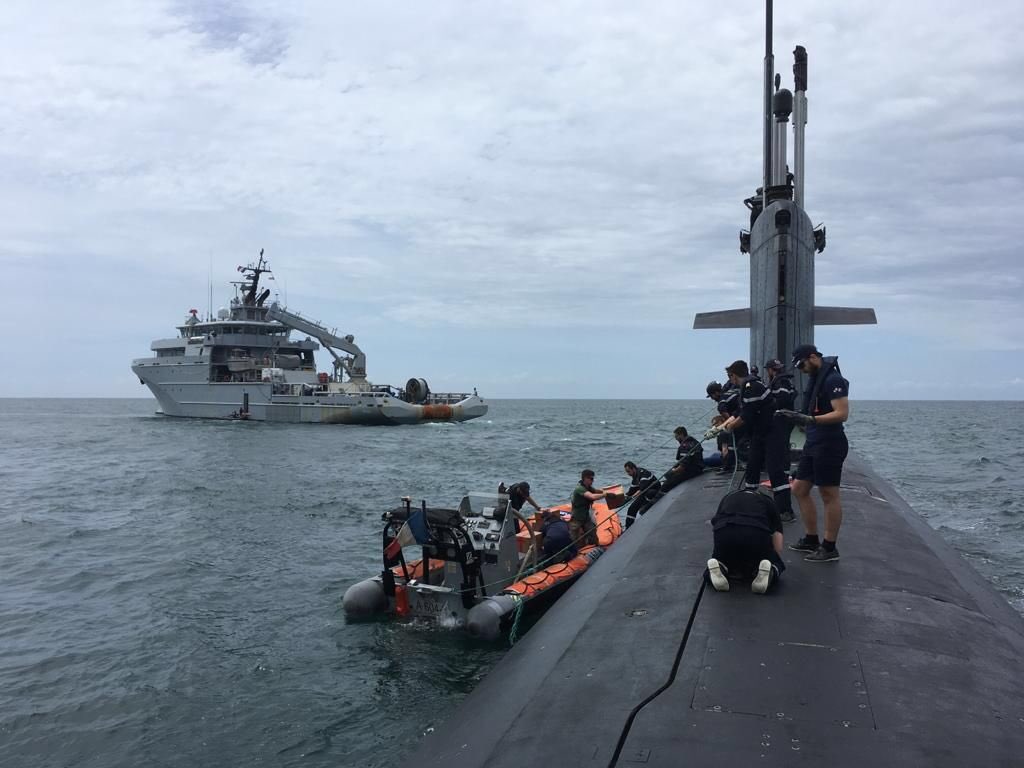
480 566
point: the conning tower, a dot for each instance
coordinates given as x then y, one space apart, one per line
782 241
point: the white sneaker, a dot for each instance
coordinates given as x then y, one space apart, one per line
718 574
763 579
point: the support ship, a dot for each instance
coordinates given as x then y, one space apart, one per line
244 365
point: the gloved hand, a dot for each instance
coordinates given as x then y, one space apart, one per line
713 432
800 419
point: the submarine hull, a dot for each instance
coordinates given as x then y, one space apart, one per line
899 652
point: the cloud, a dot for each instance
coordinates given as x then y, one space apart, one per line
548 168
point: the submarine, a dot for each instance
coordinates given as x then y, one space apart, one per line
899 654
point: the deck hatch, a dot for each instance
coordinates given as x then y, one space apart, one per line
755 678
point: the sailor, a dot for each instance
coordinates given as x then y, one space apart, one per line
558 542
581 527
689 460
724 444
519 494
757 417
748 541
826 406
783 392
716 457
726 398
644 490
781 385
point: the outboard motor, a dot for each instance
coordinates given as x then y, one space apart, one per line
416 390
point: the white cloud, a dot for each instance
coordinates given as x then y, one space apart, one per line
555 166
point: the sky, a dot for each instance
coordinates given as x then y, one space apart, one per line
533 199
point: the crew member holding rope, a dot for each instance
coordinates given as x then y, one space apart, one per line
756 414
783 392
689 460
644 490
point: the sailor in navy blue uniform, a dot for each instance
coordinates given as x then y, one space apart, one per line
727 398
558 543
826 406
757 411
780 384
689 460
519 494
644 490
748 541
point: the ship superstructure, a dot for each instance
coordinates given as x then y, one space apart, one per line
244 364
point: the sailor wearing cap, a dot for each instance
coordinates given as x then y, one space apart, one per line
826 406
728 398
781 384
581 526
756 416
519 494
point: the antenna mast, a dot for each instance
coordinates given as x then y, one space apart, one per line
769 74
209 288
799 121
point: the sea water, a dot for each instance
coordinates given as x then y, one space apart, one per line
170 590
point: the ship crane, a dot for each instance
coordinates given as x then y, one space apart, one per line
354 366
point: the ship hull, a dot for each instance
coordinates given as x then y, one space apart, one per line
225 400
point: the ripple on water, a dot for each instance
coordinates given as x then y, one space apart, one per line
172 588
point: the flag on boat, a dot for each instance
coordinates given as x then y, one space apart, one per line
413 532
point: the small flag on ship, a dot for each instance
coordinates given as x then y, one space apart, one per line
413 532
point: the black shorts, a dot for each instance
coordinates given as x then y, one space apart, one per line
822 463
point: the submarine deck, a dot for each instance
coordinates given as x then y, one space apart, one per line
899 652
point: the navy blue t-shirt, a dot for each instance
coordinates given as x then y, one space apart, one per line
832 388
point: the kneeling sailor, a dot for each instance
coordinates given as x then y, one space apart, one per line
558 543
748 541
